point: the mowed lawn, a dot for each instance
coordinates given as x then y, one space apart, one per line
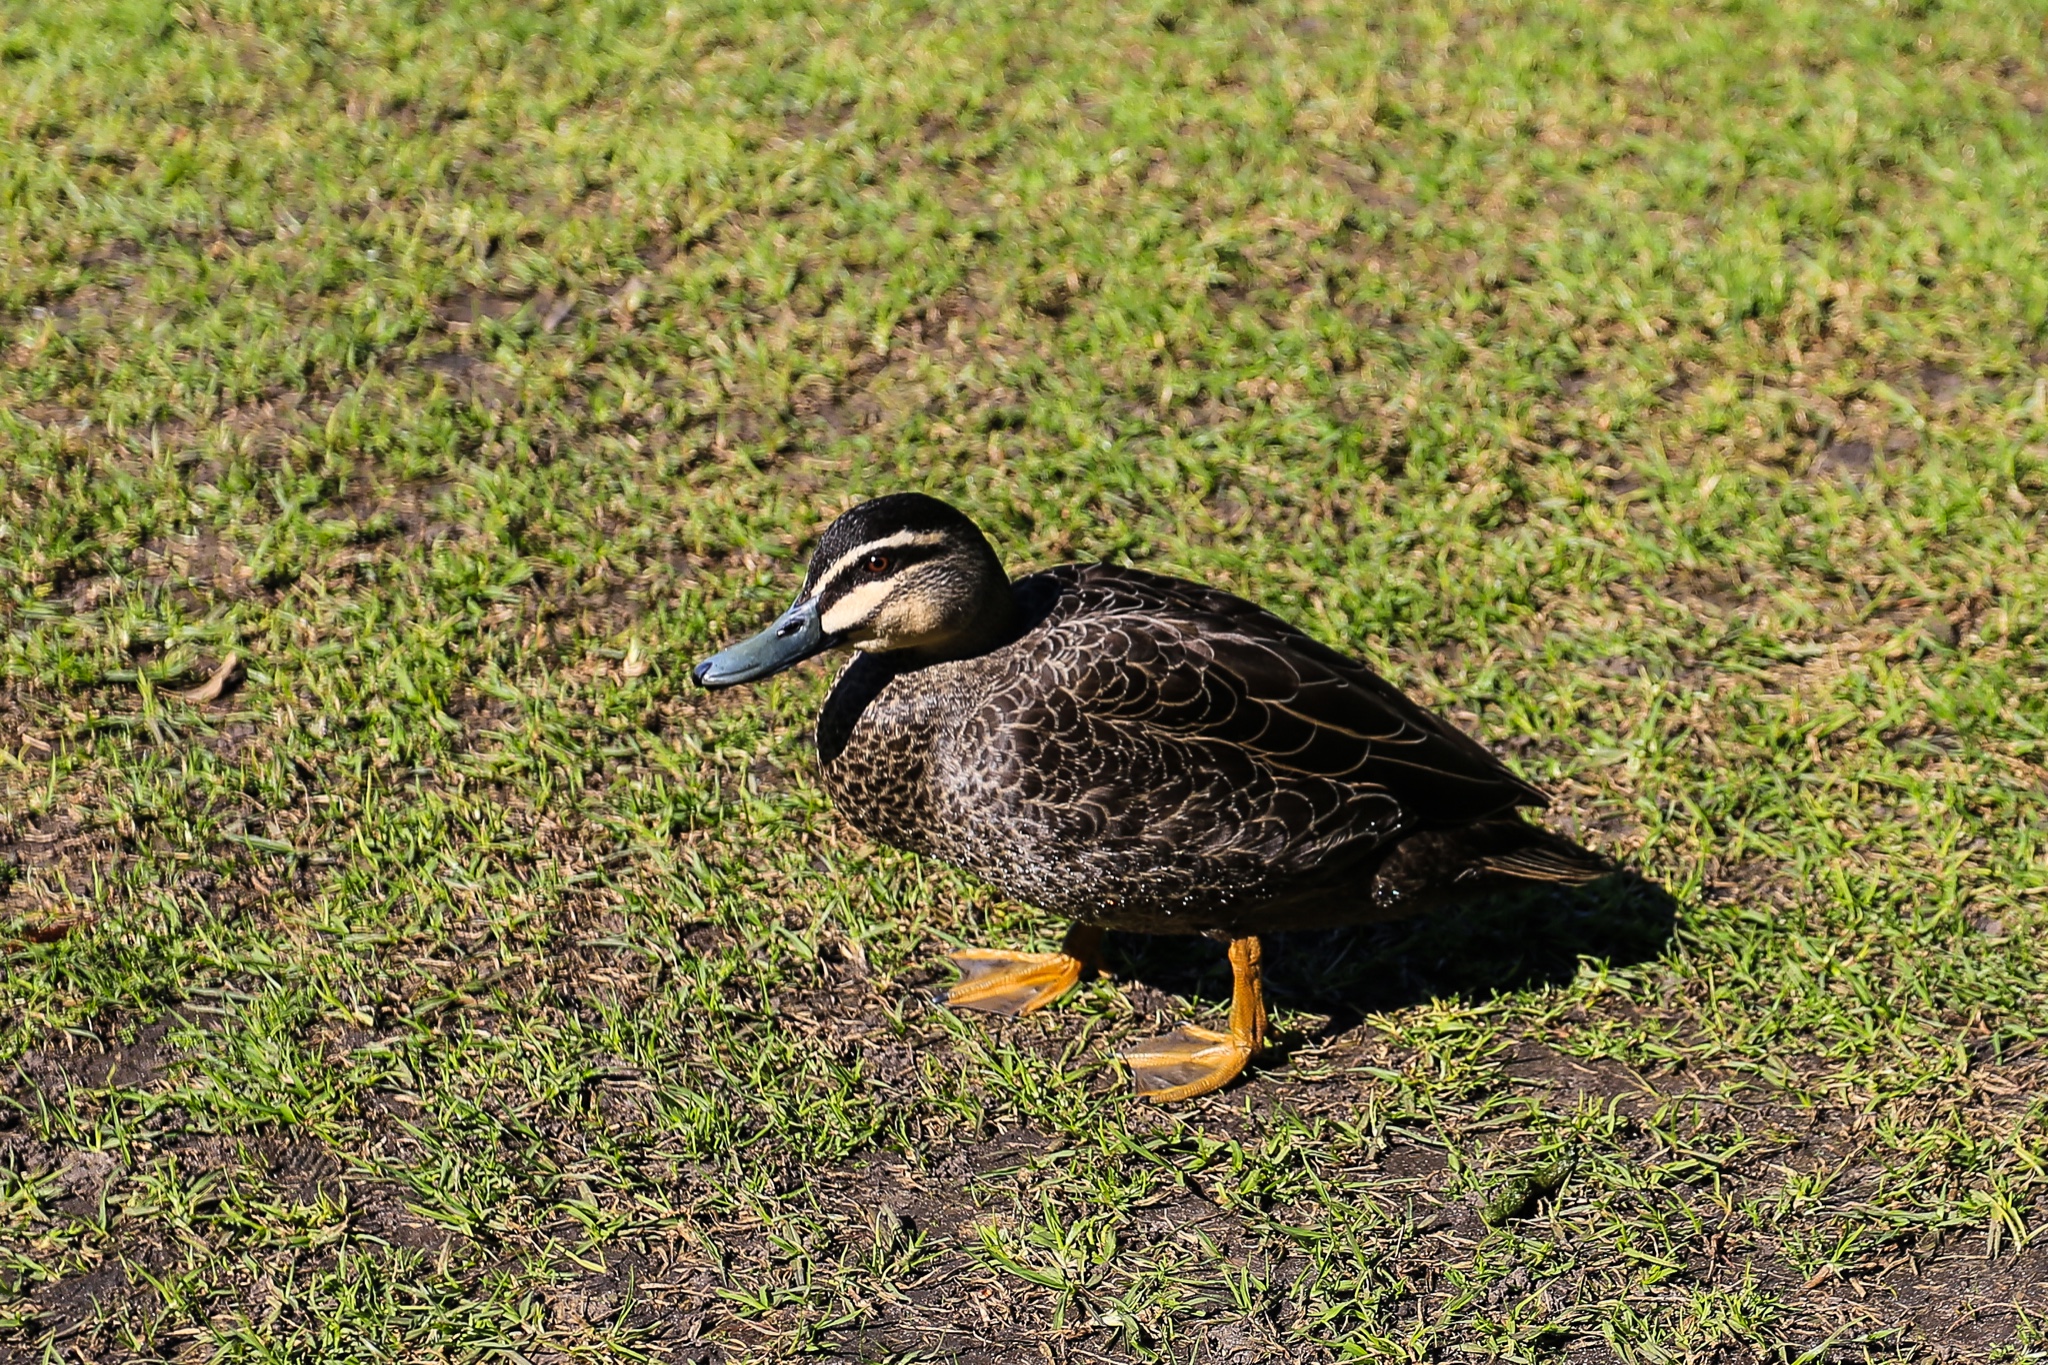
1657 389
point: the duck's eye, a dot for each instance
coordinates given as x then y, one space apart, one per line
877 564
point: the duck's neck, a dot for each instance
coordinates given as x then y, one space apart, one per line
868 673
994 624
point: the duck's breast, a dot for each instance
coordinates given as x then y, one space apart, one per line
875 751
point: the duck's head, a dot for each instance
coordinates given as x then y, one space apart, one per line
903 573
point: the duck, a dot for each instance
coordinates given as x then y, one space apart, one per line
1132 752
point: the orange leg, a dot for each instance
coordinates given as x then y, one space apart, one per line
1018 983
1192 1061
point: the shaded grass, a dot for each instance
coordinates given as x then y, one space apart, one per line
1660 391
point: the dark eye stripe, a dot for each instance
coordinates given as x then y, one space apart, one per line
851 576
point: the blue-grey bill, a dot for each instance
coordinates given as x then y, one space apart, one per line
796 635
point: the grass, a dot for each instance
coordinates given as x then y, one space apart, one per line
1658 389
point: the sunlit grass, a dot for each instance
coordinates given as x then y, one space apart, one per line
1657 390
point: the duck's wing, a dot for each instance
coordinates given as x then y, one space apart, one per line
1305 706
1148 711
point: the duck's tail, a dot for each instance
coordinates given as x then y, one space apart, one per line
1437 865
1547 858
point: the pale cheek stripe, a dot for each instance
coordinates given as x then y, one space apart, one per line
850 610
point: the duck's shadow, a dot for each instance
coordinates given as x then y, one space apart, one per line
1467 951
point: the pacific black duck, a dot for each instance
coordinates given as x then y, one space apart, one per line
1132 752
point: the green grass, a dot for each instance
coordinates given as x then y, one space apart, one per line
1659 389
